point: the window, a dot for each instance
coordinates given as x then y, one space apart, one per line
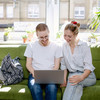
33 11
1 11
79 13
26 14
9 11
99 3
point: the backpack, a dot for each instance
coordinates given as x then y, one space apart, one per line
12 70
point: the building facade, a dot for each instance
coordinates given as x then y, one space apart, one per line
35 11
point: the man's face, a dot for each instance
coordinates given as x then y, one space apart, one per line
43 37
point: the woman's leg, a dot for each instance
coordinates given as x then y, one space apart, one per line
72 92
35 89
90 80
75 92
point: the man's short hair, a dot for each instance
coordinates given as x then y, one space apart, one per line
41 27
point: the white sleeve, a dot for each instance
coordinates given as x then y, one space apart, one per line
28 51
58 52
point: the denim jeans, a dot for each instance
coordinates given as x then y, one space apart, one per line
37 92
74 92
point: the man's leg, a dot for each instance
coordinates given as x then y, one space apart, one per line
35 89
51 92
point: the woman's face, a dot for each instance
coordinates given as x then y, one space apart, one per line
69 36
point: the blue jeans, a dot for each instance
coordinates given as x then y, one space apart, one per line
37 92
75 92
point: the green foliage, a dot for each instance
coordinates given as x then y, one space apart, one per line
8 30
59 34
95 20
94 24
6 33
30 32
24 36
94 36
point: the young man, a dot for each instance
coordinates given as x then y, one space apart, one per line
42 55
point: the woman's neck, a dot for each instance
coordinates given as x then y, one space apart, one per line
74 43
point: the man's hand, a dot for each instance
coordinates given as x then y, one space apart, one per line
32 74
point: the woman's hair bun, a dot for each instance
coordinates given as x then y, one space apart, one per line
75 23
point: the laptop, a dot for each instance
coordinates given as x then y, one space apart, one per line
49 76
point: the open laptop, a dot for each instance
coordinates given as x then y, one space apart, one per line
49 76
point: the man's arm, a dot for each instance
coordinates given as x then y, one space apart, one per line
29 66
56 63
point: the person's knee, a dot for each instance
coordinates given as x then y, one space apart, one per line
31 83
51 88
35 88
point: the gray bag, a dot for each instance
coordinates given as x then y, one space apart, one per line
2 79
1 76
12 70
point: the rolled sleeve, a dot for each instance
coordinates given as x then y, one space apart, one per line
88 59
28 51
89 67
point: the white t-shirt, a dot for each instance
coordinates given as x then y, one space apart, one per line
43 56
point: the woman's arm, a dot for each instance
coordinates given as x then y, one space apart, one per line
75 79
85 74
65 81
65 76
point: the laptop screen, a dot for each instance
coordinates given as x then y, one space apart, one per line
49 76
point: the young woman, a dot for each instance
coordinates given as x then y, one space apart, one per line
78 61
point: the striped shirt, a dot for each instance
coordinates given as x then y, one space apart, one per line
80 60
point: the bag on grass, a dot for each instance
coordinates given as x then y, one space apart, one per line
12 70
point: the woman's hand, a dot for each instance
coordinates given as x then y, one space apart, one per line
65 81
64 84
75 79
